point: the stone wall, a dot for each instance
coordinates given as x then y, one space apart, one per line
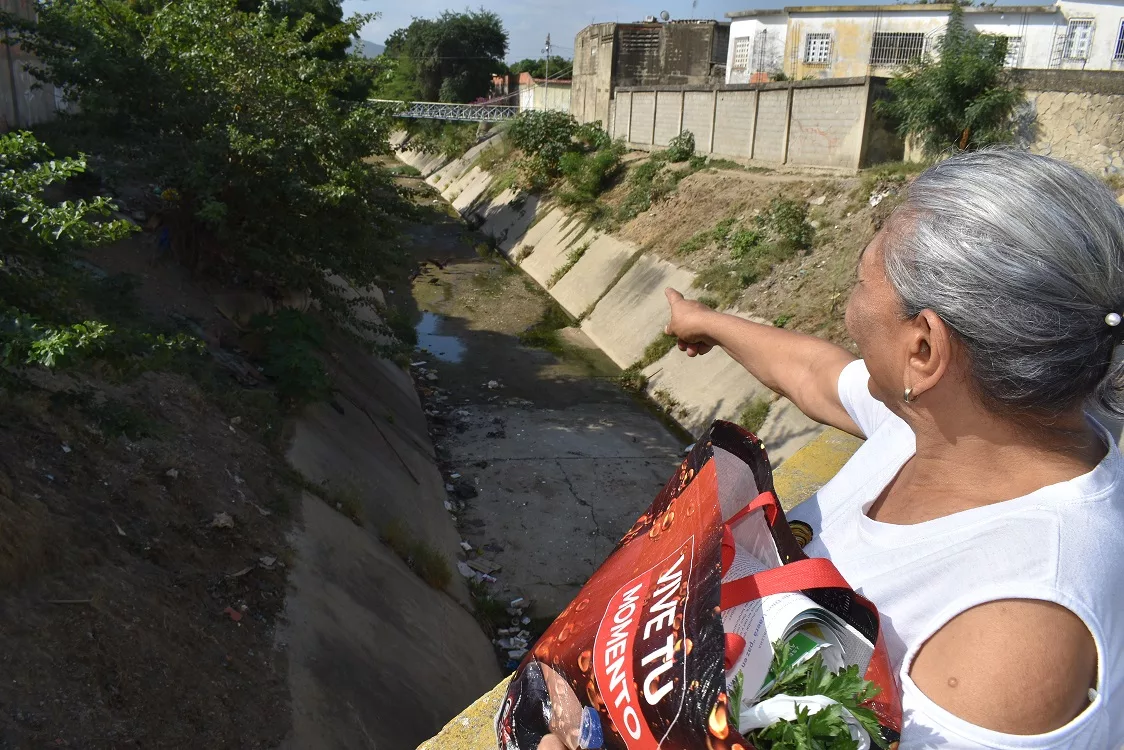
1084 128
806 123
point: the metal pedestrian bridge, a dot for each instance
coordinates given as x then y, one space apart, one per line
483 112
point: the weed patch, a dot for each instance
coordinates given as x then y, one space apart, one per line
572 259
754 413
430 565
544 334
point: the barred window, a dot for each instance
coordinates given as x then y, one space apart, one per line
896 48
1119 53
741 52
1014 48
1078 37
817 49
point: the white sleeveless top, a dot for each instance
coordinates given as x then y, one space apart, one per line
1063 543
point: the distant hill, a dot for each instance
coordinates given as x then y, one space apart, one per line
368 49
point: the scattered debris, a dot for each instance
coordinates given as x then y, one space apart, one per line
466 546
233 613
464 570
65 448
173 473
493 384
878 196
267 562
241 573
818 201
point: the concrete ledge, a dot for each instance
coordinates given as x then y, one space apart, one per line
768 86
473 729
634 311
509 217
592 274
812 466
549 253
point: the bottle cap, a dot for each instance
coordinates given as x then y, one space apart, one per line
591 737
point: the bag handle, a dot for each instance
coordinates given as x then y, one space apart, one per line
766 500
798 575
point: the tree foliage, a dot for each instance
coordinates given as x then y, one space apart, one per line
963 98
560 67
44 316
239 117
450 58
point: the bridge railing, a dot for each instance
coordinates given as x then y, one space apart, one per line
486 112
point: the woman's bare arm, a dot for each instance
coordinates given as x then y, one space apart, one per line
802 368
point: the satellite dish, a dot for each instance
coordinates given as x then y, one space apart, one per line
665 16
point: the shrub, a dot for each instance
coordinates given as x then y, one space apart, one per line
786 221
589 175
682 147
963 97
547 134
292 342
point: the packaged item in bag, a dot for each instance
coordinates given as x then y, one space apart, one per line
671 643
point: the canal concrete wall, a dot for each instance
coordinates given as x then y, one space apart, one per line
615 291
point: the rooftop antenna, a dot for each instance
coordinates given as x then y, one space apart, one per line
665 16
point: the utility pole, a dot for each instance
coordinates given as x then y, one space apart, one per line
546 80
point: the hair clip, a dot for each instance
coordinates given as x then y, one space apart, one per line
1113 319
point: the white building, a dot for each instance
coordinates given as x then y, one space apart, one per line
859 40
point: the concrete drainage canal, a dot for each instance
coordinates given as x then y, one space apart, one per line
547 459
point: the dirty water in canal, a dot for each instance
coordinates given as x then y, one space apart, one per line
548 461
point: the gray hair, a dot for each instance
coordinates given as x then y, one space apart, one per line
1022 256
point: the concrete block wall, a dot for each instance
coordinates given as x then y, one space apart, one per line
772 120
698 116
826 127
669 108
821 123
616 291
734 113
643 111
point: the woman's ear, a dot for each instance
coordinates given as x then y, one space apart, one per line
929 354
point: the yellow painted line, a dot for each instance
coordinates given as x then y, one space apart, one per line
810 468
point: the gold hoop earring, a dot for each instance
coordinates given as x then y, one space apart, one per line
908 395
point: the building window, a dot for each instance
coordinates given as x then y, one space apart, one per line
1118 55
896 48
1078 36
817 49
742 48
1014 48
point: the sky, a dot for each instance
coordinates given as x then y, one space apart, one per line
529 21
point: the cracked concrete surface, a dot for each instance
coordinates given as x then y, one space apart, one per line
559 491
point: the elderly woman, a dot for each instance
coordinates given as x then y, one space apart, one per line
984 515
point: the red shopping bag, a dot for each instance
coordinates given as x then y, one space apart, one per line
638 659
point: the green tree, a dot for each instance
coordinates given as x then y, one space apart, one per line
560 67
450 58
44 316
238 117
963 98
